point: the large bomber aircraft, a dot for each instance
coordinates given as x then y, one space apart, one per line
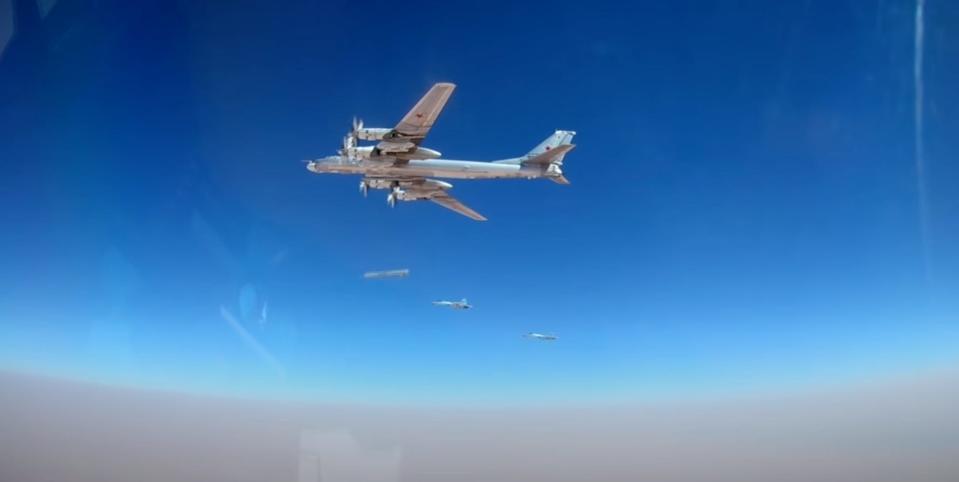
399 163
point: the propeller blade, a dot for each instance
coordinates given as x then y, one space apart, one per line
349 142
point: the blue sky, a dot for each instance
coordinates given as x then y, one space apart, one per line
743 214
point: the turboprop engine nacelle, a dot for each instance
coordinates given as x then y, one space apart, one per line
427 185
378 183
412 194
413 191
358 153
372 133
433 184
419 153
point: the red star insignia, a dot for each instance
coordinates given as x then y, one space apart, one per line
419 115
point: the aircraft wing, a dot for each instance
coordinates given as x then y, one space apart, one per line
449 202
411 131
421 188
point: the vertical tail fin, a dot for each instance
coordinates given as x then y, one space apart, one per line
559 138
550 151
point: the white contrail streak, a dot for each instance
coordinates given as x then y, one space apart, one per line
920 154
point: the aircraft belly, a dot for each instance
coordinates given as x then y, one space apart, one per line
447 169
451 170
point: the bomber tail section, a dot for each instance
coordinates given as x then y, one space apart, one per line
549 156
551 150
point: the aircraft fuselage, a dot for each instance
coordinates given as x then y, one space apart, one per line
441 168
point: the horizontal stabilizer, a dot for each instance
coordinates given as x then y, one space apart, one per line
561 179
550 155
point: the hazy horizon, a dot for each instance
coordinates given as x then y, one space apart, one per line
65 430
